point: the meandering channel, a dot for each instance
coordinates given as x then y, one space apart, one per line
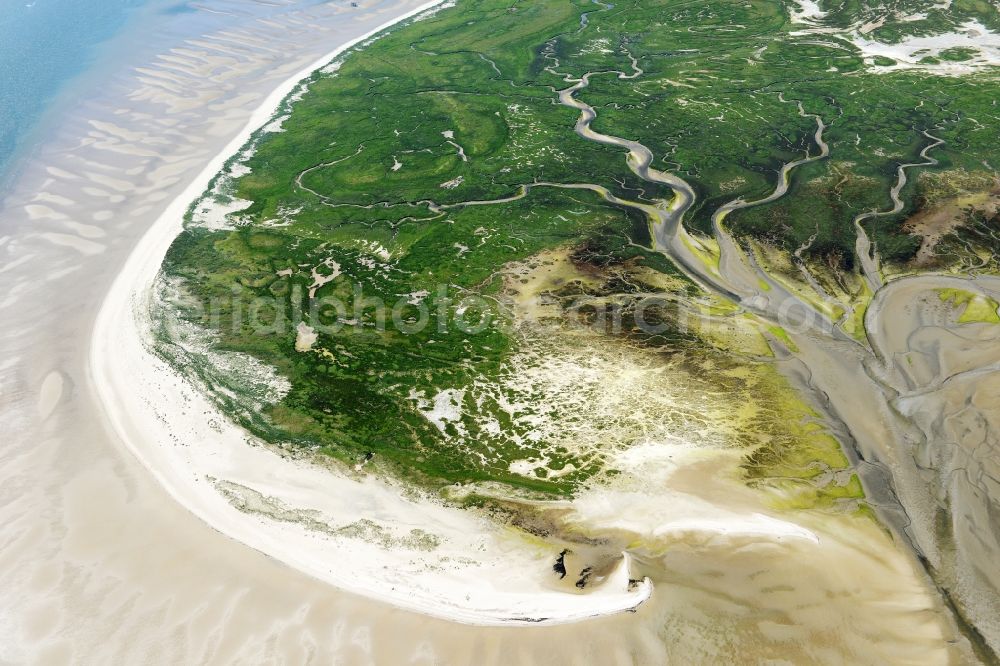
914 489
867 259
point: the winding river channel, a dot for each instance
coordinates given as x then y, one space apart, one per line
915 403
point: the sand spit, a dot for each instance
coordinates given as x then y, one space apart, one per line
370 540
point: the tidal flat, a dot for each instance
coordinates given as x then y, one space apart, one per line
722 383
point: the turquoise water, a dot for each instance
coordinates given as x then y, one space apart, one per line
55 55
44 44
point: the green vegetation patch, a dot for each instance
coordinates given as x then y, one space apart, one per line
381 237
976 308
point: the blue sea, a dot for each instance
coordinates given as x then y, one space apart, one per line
44 44
55 53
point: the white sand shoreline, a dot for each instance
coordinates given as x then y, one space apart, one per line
146 402
357 535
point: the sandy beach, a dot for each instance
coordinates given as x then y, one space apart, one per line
477 572
113 529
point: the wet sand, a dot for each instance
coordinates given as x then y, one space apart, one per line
100 564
